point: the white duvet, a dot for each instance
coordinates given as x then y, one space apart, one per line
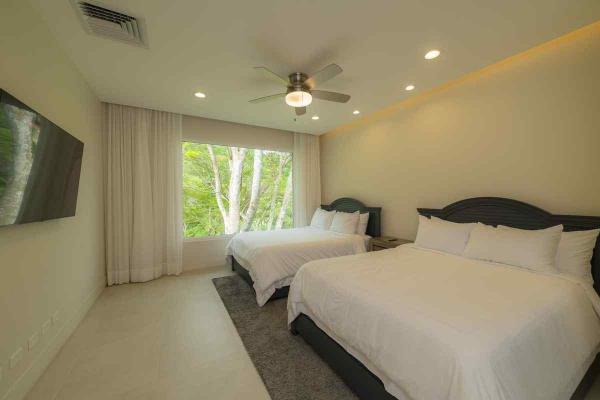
436 326
273 257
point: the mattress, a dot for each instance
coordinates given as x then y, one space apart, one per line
273 257
436 326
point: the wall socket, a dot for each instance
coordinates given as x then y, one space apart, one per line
46 327
16 358
33 340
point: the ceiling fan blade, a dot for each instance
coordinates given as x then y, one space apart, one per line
267 98
300 111
273 76
323 75
330 96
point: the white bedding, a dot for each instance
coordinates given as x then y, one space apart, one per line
273 257
435 326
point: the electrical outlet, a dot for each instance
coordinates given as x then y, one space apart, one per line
56 317
16 358
46 327
33 340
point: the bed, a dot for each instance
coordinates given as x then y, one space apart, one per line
268 260
394 325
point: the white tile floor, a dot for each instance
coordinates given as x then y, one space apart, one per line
167 339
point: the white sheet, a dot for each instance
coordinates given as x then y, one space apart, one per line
274 257
436 326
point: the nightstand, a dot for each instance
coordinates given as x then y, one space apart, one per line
386 242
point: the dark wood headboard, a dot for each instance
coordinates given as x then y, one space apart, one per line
346 204
500 211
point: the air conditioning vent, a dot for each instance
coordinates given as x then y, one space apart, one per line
112 24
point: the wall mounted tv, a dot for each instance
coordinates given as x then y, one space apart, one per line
39 166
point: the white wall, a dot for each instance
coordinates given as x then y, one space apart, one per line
204 252
55 265
526 128
212 131
210 252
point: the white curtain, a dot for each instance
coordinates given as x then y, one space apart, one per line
143 168
307 177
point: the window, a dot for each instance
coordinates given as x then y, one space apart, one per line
232 189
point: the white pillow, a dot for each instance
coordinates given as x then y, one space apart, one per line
363 221
439 234
345 222
322 219
532 249
575 251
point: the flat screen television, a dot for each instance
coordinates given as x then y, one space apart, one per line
40 165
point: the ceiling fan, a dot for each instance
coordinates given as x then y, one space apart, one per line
301 88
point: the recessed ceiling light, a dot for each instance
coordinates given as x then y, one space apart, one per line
410 87
431 54
355 112
200 95
315 117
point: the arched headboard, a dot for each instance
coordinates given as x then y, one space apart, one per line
501 211
347 204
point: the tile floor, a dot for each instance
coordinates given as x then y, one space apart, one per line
167 339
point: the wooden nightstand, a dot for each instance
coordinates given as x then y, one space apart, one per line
386 242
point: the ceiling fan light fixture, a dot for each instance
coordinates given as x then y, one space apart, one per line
431 54
298 98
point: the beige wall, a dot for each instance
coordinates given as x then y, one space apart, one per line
210 252
54 265
527 128
212 131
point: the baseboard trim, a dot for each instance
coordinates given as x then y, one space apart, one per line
25 382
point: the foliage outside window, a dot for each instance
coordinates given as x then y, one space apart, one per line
232 189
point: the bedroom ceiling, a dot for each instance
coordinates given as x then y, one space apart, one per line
211 46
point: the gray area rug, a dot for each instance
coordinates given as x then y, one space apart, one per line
288 366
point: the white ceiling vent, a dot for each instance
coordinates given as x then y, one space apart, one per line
117 25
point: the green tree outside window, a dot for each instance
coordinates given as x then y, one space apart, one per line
231 189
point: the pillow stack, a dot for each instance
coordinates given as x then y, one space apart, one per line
345 222
575 251
446 236
363 221
544 250
322 219
533 249
342 222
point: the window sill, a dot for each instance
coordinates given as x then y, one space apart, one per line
207 238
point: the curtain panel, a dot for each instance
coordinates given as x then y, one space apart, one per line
307 177
143 196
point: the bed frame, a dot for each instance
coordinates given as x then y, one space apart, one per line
488 210
344 204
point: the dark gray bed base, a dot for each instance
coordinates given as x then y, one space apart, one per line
488 210
358 378
243 272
